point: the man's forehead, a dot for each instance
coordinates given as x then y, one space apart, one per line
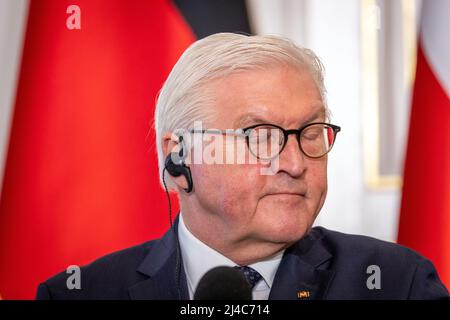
264 115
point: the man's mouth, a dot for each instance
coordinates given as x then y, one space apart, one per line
287 193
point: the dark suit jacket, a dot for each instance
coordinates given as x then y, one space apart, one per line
324 265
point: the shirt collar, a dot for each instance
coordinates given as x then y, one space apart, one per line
199 258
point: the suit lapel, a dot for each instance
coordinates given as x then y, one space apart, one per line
160 265
303 272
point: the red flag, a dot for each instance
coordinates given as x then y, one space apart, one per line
81 176
425 209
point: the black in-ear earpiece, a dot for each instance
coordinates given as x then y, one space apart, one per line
175 166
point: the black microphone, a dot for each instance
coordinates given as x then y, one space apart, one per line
223 283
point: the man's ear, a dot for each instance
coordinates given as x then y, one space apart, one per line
170 143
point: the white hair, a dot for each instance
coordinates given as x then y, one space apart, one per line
184 99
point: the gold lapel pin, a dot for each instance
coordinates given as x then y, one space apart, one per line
303 294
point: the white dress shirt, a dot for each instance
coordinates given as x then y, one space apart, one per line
198 258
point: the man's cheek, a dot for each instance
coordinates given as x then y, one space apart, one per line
317 190
240 190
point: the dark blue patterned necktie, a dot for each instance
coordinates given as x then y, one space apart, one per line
250 274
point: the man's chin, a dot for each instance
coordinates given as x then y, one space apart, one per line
286 224
286 234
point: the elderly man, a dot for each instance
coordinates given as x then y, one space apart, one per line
260 104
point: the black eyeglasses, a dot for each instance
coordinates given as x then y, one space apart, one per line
266 141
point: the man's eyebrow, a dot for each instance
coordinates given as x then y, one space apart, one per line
250 119
319 114
253 118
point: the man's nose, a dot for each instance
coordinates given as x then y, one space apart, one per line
292 159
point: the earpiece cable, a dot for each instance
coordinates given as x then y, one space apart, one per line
178 255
